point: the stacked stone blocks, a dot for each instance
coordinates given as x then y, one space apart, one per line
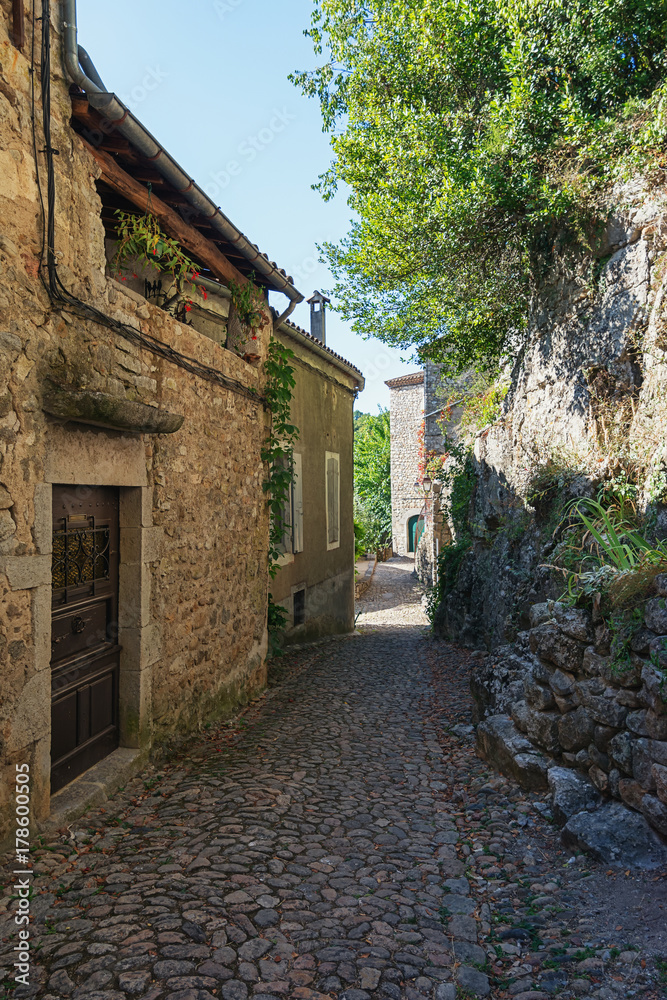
557 698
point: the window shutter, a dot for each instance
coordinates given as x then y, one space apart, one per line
286 541
333 495
336 516
297 493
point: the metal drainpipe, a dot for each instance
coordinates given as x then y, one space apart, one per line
125 123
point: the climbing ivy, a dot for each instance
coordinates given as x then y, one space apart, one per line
278 447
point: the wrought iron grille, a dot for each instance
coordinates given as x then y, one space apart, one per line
80 555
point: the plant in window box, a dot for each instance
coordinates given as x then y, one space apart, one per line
142 243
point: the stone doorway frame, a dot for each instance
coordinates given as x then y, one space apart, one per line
88 457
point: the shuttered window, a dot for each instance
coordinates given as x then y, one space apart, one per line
333 500
287 541
297 504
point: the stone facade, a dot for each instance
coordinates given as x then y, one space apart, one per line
193 520
315 583
418 432
406 410
580 710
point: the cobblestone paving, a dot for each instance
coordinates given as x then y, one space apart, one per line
342 840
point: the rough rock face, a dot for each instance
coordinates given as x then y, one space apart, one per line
591 348
599 728
615 834
500 742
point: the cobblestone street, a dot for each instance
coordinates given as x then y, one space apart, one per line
339 839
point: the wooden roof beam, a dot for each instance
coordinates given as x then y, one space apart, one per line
189 237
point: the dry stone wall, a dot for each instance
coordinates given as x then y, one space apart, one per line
559 699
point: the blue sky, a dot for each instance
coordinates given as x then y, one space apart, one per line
209 79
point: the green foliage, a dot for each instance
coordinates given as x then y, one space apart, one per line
248 302
613 542
359 546
607 555
459 481
142 241
480 401
623 625
547 482
278 447
372 478
276 621
477 139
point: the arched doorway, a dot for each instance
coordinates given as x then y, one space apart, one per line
412 531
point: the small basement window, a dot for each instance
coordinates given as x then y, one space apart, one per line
299 607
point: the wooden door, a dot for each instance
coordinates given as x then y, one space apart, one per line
84 629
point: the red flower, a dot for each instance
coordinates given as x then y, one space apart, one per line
204 293
188 307
254 337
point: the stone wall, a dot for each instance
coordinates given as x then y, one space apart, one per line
580 708
407 415
194 530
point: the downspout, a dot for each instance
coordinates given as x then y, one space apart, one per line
126 124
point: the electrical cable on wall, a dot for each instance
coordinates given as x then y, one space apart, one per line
60 296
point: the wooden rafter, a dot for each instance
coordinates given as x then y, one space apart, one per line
190 238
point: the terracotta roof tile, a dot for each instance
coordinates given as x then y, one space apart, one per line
314 340
415 378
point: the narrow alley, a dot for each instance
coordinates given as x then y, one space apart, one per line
340 839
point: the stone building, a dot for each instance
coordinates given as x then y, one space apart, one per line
133 527
406 410
315 583
415 407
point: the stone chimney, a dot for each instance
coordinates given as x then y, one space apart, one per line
317 303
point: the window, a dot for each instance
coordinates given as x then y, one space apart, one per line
297 505
292 511
286 543
299 607
333 499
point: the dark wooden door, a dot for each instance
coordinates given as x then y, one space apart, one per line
84 629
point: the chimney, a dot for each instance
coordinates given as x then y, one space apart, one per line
317 316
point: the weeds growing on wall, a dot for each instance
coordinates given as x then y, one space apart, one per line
614 557
279 444
248 301
480 401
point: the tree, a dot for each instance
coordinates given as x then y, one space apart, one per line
479 140
372 478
